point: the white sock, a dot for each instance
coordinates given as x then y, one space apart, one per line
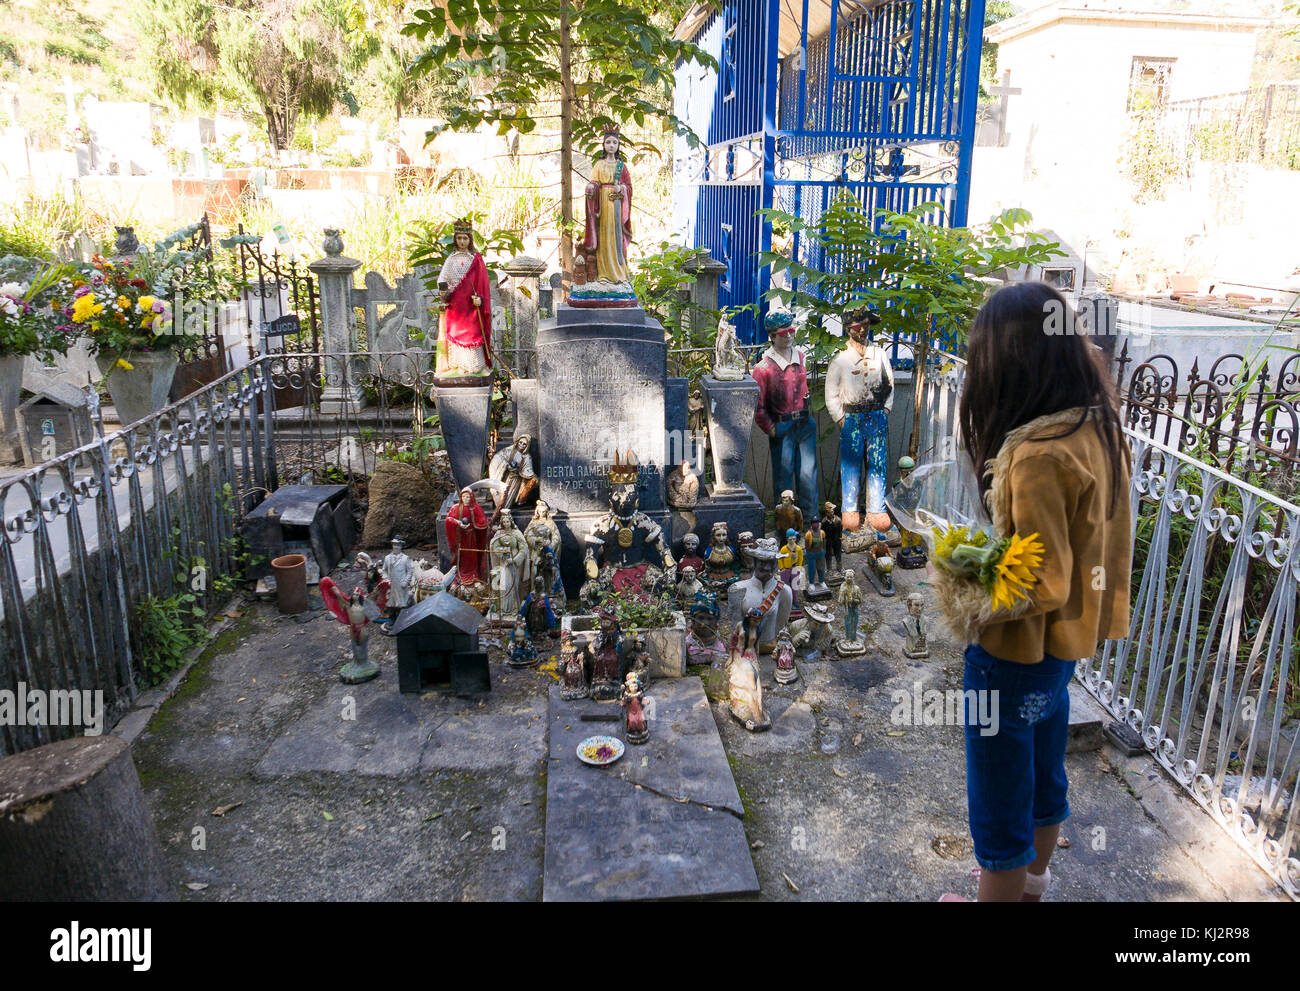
1036 884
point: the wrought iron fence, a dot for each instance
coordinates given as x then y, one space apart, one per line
148 511
1259 125
1207 674
1242 418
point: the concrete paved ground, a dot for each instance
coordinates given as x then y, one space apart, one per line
360 792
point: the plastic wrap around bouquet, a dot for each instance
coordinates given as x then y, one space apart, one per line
979 577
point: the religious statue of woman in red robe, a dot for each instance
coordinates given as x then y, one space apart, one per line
467 539
466 327
601 274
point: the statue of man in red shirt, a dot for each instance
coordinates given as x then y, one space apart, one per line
783 413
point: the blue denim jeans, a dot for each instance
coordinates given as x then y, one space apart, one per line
794 456
1015 766
864 444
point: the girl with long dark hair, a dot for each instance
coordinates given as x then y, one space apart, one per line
1040 421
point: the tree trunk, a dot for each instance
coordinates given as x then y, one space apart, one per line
74 826
566 150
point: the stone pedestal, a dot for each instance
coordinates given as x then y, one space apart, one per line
342 371
521 299
730 407
143 389
464 412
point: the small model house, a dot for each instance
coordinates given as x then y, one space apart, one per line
437 645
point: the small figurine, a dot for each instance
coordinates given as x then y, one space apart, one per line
636 727
356 611
637 661
573 670
607 233
881 564
849 599
859 396
400 572
687 588
509 555
467 541
690 555
833 528
624 544
812 634
788 515
765 592
783 654
746 690
429 580
683 487
783 413
911 551
789 561
695 413
520 653
728 362
606 653
511 476
535 611
915 645
703 645
719 562
463 346
745 544
814 556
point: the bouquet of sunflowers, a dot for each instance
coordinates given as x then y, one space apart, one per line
979 577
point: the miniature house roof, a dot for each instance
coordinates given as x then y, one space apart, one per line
443 613
62 393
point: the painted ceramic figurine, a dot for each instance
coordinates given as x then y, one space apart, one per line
636 727
812 634
511 476
467 540
784 415
573 670
429 580
911 551
536 611
683 487
400 572
695 417
849 598
466 324
703 645
814 557
915 643
789 561
833 528
601 276
745 544
687 588
788 515
765 592
746 690
509 556
520 653
356 611
783 655
543 539
880 571
728 361
625 546
859 396
719 562
606 658
690 555
637 661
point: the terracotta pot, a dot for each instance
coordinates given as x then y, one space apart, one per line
290 583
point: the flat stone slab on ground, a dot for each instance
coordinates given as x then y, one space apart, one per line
663 822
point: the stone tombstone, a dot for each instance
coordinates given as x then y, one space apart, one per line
730 408
601 389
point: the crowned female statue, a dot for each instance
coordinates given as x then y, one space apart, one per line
466 325
601 275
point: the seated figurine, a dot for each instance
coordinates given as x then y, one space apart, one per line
520 653
881 565
536 610
746 690
687 588
624 544
573 670
812 634
703 645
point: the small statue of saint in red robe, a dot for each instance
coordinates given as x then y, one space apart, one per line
465 330
467 539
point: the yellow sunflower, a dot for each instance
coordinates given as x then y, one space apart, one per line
1014 570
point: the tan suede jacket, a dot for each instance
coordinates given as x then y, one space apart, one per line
1060 489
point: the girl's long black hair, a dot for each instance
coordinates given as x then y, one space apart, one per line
1026 359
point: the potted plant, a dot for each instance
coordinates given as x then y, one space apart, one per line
121 308
655 617
32 324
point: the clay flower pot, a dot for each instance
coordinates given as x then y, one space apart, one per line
290 583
